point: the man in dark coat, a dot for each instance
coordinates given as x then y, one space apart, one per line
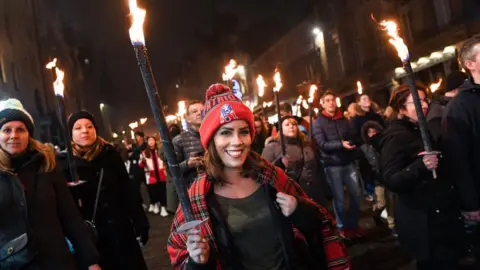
461 136
437 107
334 136
188 147
137 173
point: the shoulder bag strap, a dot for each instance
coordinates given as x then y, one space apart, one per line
97 196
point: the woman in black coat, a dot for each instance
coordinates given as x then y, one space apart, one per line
37 211
120 217
427 218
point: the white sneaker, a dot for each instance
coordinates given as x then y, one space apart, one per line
151 208
156 209
164 212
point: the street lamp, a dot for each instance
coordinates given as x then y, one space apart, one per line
316 31
114 135
102 106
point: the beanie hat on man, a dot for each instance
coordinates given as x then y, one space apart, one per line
12 110
222 107
455 79
74 117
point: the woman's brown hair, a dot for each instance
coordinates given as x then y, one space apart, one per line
148 151
399 97
48 164
300 136
214 165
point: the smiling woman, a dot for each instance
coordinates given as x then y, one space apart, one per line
257 217
35 204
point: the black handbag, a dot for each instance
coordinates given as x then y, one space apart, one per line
90 224
18 252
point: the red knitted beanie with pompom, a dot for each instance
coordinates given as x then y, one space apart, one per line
222 107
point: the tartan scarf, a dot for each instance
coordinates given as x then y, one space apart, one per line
91 152
335 251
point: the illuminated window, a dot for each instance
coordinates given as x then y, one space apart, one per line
3 74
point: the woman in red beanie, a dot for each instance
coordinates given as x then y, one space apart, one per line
257 217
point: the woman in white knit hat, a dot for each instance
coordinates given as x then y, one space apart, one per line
37 211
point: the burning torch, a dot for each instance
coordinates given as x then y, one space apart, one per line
313 89
392 30
138 41
278 85
59 89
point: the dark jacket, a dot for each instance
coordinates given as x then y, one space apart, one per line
435 115
427 216
303 166
135 170
258 143
187 143
329 132
461 144
52 216
120 216
358 121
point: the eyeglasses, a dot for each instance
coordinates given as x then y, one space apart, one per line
424 101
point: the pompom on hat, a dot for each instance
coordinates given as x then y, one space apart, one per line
13 110
222 107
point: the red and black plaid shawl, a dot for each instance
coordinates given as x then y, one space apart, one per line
334 249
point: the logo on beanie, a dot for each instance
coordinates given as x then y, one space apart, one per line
227 114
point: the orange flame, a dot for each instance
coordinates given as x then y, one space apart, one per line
299 100
230 70
359 87
313 88
434 86
58 85
261 85
278 82
339 102
52 64
138 17
392 30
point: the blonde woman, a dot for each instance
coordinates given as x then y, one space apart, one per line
37 211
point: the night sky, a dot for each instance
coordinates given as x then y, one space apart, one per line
172 29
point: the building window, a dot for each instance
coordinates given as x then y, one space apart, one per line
14 77
8 29
3 73
442 12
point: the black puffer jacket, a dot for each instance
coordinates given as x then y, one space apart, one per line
427 215
120 216
329 133
52 216
187 143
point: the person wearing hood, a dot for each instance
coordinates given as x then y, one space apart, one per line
37 211
437 107
334 137
120 218
256 217
427 217
460 139
301 162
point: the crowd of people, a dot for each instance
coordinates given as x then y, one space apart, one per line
265 198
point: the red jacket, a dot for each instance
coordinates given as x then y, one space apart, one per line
148 165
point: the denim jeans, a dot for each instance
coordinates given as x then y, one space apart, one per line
338 177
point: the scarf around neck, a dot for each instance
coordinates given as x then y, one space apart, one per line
91 152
